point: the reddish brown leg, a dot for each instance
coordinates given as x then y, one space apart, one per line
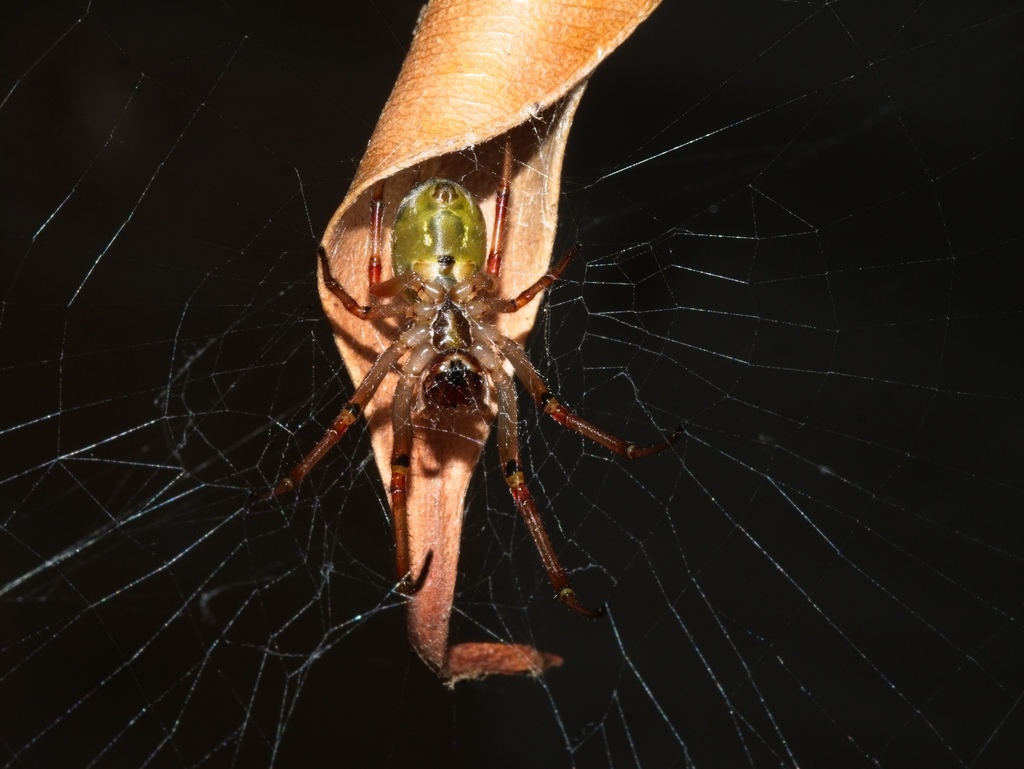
401 451
373 269
349 414
363 312
400 459
376 234
508 450
552 407
513 305
556 573
501 213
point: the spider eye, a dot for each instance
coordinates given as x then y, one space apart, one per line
444 193
446 260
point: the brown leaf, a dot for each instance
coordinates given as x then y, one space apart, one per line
477 70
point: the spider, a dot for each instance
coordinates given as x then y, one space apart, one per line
444 293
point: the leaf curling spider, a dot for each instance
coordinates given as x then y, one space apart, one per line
443 292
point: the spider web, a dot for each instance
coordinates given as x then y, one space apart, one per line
801 227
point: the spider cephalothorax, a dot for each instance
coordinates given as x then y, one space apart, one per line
449 353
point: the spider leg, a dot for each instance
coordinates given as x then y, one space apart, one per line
363 312
508 450
376 234
501 212
349 414
391 288
524 298
401 452
538 390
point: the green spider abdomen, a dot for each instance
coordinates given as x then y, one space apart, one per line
439 233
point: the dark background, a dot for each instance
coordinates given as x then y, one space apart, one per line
802 231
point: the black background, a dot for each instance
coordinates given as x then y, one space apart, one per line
816 267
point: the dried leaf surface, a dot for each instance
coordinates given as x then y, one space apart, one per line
477 70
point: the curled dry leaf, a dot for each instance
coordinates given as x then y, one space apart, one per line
476 72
